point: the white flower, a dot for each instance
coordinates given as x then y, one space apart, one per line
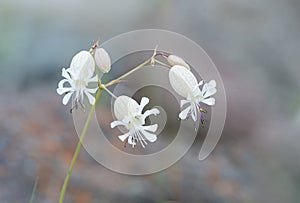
79 75
102 60
129 114
185 84
176 60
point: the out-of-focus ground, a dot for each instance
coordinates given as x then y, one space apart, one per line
255 45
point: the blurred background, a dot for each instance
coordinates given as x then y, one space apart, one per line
255 45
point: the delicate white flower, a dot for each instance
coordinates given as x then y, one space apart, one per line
102 60
185 83
79 75
176 60
129 114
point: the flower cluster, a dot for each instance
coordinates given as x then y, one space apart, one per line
81 80
128 113
81 74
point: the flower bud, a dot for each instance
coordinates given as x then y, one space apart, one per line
176 60
102 60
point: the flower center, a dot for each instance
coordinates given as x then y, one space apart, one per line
136 121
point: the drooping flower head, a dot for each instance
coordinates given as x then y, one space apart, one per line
130 115
78 76
185 84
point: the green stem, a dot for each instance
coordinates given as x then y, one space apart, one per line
109 92
34 190
161 63
75 156
127 74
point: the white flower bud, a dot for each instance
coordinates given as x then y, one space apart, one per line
182 80
176 60
102 60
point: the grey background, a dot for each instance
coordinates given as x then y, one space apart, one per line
254 44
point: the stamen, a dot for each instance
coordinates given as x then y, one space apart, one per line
75 106
139 137
82 106
142 138
203 110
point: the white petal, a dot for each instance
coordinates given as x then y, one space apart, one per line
147 113
67 98
144 102
124 106
63 90
90 97
183 102
92 90
62 82
102 60
149 136
176 60
196 89
82 65
209 101
194 113
123 137
151 128
182 80
209 88
117 123
210 92
212 83
65 74
183 114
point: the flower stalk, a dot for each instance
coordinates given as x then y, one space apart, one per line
127 74
76 153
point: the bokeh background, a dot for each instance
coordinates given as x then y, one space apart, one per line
255 45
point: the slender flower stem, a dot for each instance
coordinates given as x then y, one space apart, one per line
34 190
108 91
76 153
161 63
127 74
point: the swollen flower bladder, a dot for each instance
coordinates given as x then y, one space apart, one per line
129 114
79 75
185 84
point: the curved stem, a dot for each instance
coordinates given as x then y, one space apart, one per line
76 153
127 74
